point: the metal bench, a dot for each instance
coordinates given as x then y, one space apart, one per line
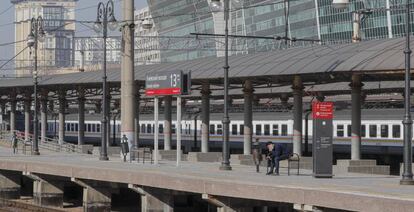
292 158
144 152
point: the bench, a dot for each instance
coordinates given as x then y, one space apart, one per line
144 152
292 158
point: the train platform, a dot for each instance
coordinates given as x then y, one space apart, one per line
355 192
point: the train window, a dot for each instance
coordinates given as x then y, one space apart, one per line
384 131
149 128
275 130
67 127
234 129
219 129
153 128
161 128
258 129
241 129
340 130
93 127
143 128
363 131
76 127
212 129
396 131
349 130
98 127
372 131
266 129
72 127
284 130
173 129
89 127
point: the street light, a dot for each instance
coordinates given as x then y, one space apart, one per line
407 176
105 19
215 7
36 35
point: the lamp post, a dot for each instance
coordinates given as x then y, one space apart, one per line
407 176
36 34
216 7
105 18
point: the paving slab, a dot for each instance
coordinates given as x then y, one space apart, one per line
355 192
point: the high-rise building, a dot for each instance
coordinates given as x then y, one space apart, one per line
307 19
146 40
59 24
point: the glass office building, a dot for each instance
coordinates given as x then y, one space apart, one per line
307 19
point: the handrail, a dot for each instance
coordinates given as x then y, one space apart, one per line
48 143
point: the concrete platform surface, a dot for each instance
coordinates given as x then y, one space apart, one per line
355 192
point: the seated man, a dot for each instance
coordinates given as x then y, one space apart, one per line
274 154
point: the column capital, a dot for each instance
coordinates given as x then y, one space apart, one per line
297 84
356 82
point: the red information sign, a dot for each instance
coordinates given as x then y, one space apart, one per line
322 110
163 91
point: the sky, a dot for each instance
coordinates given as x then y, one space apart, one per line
89 14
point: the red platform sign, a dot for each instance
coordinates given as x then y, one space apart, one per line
163 92
322 110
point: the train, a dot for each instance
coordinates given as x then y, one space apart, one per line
381 130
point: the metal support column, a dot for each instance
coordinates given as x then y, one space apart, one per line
62 108
128 96
167 122
248 117
81 116
297 115
178 130
407 176
356 87
12 113
137 125
43 116
27 104
205 115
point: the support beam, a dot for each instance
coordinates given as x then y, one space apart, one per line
81 116
27 104
47 190
205 116
226 204
9 184
297 115
248 117
167 122
62 109
96 195
128 89
356 87
153 199
43 115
